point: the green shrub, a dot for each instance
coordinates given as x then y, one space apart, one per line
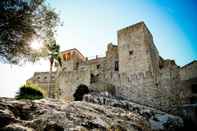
29 91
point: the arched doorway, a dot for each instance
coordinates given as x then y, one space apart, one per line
80 92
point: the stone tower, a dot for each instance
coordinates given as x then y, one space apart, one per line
139 64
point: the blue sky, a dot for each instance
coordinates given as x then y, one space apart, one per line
90 25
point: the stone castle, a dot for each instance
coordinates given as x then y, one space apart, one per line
133 70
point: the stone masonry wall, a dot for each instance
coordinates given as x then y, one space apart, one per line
189 71
42 80
133 67
101 68
137 70
68 81
171 90
142 77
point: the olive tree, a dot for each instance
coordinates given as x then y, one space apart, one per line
20 22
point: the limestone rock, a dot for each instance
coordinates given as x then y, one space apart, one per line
54 115
160 121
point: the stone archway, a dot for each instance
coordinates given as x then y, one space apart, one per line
80 92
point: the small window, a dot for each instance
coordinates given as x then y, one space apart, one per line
38 77
157 84
97 66
131 52
45 77
116 68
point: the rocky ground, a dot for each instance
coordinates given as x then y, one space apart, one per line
159 121
54 115
41 115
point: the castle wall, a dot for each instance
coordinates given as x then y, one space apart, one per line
142 77
68 65
96 66
137 60
188 74
189 71
172 91
68 81
153 52
112 67
131 49
133 68
42 80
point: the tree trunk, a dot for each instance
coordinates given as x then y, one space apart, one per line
49 83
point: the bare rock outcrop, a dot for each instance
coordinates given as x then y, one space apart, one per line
159 121
54 115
